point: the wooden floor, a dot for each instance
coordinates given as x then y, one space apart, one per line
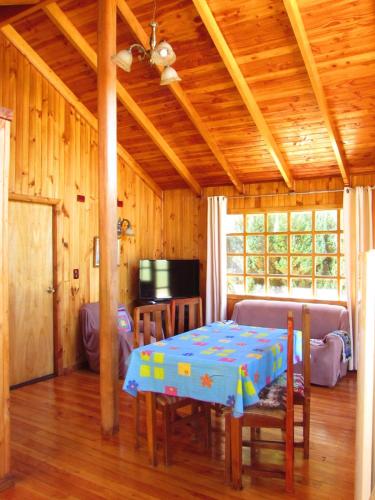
57 450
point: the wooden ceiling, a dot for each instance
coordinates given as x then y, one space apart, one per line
270 89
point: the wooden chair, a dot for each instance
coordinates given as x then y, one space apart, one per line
193 307
302 388
278 416
153 327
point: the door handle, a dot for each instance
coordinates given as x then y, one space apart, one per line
50 289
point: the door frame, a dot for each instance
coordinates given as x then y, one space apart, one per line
58 296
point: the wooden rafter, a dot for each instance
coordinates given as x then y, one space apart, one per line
59 18
9 14
243 89
295 18
18 2
16 39
176 89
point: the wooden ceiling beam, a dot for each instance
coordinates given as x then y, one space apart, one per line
16 39
295 18
18 2
63 23
243 88
12 13
176 89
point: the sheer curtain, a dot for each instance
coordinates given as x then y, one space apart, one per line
358 239
216 279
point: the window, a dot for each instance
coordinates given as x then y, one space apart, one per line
293 254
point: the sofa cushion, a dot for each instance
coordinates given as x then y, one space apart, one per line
324 318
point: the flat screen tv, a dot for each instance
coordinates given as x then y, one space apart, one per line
165 279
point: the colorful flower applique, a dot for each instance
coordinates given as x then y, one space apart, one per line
206 381
170 390
146 355
244 371
231 400
132 386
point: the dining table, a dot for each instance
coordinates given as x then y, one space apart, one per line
222 362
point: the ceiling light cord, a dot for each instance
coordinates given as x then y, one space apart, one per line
154 13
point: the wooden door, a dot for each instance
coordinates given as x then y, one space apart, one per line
30 291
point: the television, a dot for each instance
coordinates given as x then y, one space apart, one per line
165 279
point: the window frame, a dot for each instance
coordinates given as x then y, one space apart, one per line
289 276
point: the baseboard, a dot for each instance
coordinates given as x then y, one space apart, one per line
6 482
77 366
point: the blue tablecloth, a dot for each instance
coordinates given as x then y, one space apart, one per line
220 363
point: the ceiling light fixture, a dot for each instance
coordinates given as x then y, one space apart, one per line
160 54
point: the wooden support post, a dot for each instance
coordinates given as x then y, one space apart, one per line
5 479
108 275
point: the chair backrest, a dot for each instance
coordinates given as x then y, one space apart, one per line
290 363
160 315
306 360
289 423
189 309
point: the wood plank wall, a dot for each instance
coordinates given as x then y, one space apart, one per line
54 155
185 215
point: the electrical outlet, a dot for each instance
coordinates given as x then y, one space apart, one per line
75 274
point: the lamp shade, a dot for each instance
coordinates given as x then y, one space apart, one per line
124 60
169 75
163 54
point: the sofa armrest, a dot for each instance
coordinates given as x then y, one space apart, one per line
326 362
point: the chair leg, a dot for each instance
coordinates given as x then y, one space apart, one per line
207 425
236 452
253 437
289 462
306 428
167 429
136 421
227 458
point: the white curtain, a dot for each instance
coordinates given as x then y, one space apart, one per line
216 279
358 239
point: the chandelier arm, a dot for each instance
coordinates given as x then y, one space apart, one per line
140 48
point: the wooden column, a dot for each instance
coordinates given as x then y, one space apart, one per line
108 287
5 479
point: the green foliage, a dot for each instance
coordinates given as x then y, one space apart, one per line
255 244
325 243
235 284
326 220
301 243
277 222
255 264
235 264
301 221
278 243
302 266
255 223
278 265
326 266
235 244
255 285
278 286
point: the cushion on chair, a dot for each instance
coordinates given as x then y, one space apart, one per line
274 395
298 385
